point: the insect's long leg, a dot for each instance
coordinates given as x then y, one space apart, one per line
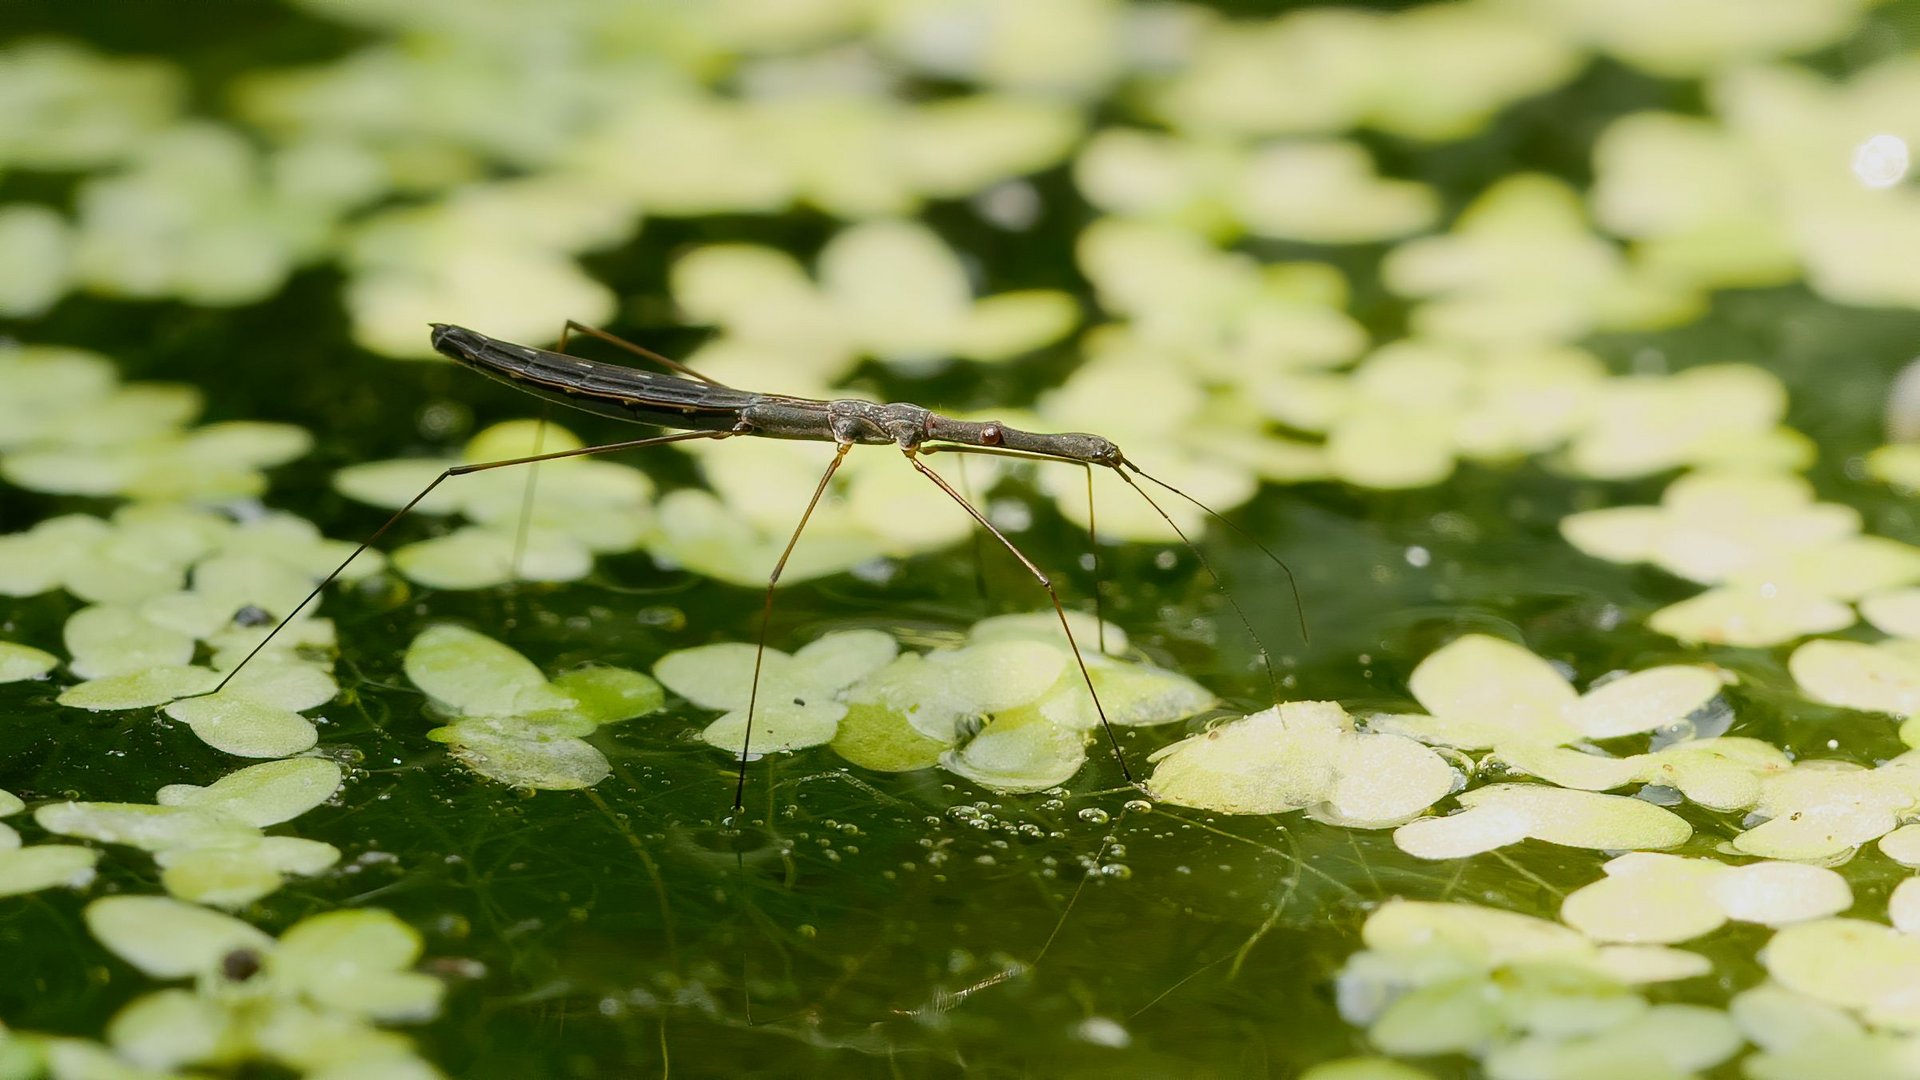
457 470
973 538
1052 594
525 525
766 616
636 349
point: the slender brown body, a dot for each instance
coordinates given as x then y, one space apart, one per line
649 397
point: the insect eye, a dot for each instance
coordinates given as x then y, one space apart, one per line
990 435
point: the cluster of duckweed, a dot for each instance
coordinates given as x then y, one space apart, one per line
1009 709
451 172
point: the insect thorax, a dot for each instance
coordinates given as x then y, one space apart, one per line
870 422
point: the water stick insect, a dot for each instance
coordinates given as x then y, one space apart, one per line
701 408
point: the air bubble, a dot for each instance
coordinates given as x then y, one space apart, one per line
1093 815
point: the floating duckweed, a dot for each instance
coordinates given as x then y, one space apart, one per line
1821 810
1484 692
1320 192
899 713
101 438
1518 991
509 722
1663 899
321 986
1303 755
1862 967
1720 774
1883 677
1503 814
207 840
21 662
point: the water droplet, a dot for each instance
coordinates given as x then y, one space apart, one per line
1093 815
1138 806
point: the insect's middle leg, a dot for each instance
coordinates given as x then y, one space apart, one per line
1046 583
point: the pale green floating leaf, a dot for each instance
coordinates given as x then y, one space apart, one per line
939 691
142 825
10 804
556 724
1896 464
1327 192
608 695
1902 845
1640 964
1271 762
351 961
170 1028
1665 1040
1821 810
470 674
1860 966
1019 750
1750 616
777 725
240 726
233 877
720 676
558 763
1483 691
1858 676
1044 626
1010 324
1132 695
477 558
1383 780
139 689
168 939
1720 774
1302 755
1894 611
879 738
1643 701
1662 899
45 866
1713 525
109 640
282 684
1364 1068
327 1042
390 484
838 660
1502 814
1903 907
21 662
1456 1017
708 537
1485 938
262 795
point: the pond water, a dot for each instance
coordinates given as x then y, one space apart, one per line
848 921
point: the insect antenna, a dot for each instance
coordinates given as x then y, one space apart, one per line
1053 594
1266 658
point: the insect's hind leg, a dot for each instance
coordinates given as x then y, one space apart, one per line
457 470
1052 594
